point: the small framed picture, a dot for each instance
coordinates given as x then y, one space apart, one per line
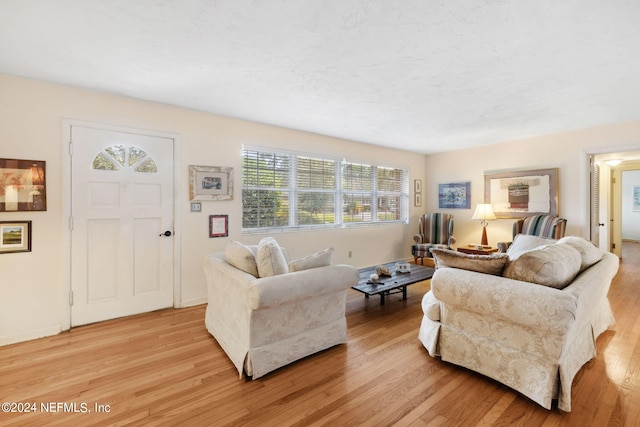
210 183
417 199
15 236
218 225
417 186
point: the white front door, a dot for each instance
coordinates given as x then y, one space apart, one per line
122 224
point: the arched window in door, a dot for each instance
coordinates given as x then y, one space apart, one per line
116 157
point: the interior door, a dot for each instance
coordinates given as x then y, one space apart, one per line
594 201
122 224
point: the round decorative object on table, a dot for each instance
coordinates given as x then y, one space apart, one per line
383 270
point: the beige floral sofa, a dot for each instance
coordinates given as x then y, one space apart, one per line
528 318
266 312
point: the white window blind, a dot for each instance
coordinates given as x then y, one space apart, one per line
266 189
315 191
301 190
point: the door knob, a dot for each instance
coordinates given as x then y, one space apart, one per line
166 233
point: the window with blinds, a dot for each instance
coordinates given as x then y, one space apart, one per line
294 190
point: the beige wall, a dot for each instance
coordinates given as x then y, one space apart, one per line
34 286
567 151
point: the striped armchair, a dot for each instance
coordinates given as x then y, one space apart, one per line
552 227
435 230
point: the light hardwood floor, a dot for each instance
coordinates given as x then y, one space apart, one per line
163 368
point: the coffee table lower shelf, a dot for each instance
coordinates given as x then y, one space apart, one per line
395 284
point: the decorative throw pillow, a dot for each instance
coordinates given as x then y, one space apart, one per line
270 259
551 265
319 259
241 257
588 252
489 264
525 242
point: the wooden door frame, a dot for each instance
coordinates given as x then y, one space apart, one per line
65 165
616 207
586 189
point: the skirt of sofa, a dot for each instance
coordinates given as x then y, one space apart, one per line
532 376
267 358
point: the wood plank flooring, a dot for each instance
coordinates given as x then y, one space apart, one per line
163 368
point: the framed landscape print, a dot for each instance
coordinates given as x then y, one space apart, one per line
522 193
210 183
455 195
15 236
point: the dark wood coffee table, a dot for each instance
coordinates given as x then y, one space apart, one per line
397 283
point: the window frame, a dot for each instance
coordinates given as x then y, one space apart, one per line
292 191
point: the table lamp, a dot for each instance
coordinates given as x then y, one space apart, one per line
484 213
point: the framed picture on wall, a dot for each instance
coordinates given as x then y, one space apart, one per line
636 199
455 195
210 183
522 193
15 236
23 185
417 186
218 225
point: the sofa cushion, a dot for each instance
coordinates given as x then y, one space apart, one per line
241 257
489 264
319 259
524 242
270 259
549 265
588 252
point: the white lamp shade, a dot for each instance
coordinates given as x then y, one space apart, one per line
484 212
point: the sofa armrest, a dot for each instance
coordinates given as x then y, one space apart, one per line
226 285
417 238
503 246
524 303
289 287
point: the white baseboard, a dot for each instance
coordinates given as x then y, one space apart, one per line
193 301
56 329
31 335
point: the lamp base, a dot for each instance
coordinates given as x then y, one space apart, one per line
484 241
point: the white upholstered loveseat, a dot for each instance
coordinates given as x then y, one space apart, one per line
531 337
264 323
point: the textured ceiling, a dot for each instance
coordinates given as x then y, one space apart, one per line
421 75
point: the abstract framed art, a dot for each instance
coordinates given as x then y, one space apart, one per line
522 193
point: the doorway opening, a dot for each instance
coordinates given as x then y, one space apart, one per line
612 180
